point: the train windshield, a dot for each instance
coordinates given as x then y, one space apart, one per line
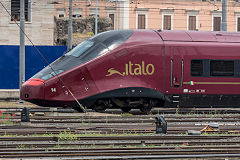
99 45
81 48
88 50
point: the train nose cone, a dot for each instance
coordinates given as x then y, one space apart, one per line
32 90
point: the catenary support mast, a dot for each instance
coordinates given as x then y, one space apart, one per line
69 44
22 45
224 15
96 18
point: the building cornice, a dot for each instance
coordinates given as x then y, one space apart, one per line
167 10
110 8
142 9
192 11
216 12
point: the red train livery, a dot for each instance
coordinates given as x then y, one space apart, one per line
142 69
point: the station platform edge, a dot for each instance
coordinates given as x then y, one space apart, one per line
9 94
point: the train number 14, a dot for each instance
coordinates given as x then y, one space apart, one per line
53 90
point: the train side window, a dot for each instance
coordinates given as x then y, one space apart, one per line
196 68
222 68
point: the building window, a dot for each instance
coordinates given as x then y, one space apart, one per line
216 23
61 12
238 24
167 19
237 15
77 13
196 68
141 21
222 68
15 10
141 18
93 12
167 22
192 23
192 19
112 17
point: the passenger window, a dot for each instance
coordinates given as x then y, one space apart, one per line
223 68
196 68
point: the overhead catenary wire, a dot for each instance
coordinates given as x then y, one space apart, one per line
179 11
154 4
132 7
153 10
64 86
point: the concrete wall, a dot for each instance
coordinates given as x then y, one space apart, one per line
40 29
9 94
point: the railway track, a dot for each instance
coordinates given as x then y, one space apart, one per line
118 125
106 140
16 107
112 128
47 110
53 133
122 153
120 146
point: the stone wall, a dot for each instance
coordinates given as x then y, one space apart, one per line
82 29
39 29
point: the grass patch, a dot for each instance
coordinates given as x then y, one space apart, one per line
68 136
126 114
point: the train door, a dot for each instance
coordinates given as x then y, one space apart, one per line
177 64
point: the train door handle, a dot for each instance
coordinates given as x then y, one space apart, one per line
174 79
175 83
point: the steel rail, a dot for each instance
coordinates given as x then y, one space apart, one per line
129 120
185 110
137 137
155 157
123 152
116 143
131 148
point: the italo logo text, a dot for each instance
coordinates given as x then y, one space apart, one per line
134 69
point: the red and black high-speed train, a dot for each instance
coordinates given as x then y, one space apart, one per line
143 69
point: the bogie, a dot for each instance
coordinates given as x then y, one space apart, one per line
126 104
126 109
